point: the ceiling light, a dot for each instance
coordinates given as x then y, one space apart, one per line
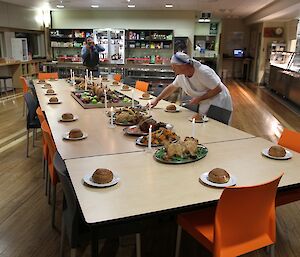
169 6
131 6
203 20
60 6
95 6
128 1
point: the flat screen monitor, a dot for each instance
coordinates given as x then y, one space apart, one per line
238 53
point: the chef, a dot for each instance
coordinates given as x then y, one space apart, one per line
198 81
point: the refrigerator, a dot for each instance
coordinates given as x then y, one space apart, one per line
19 49
113 40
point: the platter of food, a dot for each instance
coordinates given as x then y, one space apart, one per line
125 88
277 152
95 98
128 117
159 137
181 152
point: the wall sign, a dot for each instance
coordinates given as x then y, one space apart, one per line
213 28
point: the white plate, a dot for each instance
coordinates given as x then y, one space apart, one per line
47 87
205 119
75 117
204 179
88 180
142 98
50 94
59 102
287 156
66 136
122 89
173 111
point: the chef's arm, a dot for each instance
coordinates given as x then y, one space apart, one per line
210 93
164 94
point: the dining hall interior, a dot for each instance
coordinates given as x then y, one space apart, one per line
114 139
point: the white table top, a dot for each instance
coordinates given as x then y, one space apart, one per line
147 186
102 140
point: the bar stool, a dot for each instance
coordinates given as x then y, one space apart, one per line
5 78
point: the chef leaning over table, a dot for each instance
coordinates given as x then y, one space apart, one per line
198 81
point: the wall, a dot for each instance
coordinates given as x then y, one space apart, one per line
182 22
291 33
14 16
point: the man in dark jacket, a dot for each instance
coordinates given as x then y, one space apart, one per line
90 54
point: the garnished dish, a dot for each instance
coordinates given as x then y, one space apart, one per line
142 128
199 118
54 100
67 117
125 88
95 97
172 108
218 178
105 79
127 117
146 96
181 152
50 91
160 137
75 134
41 81
101 178
277 152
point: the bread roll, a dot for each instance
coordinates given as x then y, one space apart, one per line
102 176
146 95
67 116
125 87
50 91
75 133
115 82
198 117
171 107
47 85
277 151
219 176
53 99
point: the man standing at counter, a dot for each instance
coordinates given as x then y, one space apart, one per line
90 55
198 81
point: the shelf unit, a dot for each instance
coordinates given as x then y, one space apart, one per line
67 42
149 46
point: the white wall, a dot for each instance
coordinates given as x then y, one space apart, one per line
14 16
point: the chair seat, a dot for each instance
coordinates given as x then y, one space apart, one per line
200 225
34 123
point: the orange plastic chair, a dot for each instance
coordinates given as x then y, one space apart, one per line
290 139
141 85
53 75
25 90
243 221
42 118
53 179
117 77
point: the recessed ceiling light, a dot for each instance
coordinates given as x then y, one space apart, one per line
203 20
95 6
169 6
131 6
128 1
60 6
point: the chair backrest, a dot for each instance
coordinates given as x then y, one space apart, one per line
243 215
31 107
219 114
53 75
71 211
158 89
117 77
40 115
141 85
24 84
51 150
129 81
32 88
290 139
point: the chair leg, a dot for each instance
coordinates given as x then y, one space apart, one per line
44 161
62 237
272 250
53 206
27 146
178 239
73 252
95 246
24 108
138 244
33 134
49 189
47 177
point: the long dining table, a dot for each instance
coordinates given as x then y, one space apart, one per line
148 187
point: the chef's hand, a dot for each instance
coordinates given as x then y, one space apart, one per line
153 103
195 100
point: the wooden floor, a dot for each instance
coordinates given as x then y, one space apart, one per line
25 229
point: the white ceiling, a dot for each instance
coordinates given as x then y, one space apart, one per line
219 8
